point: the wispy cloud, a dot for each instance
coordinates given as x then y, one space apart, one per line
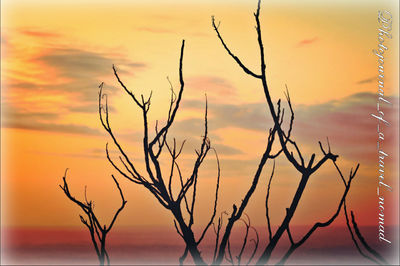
82 69
71 86
251 116
40 121
347 122
154 30
366 81
344 121
39 34
211 84
306 42
50 127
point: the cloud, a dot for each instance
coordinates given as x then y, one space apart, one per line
306 41
347 122
77 74
226 150
82 70
253 116
344 121
161 30
88 153
248 116
154 30
40 121
51 127
38 34
189 129
364 81
220 148
211 84
136 65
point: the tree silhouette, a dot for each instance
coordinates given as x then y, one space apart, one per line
181 203
305 169
98 233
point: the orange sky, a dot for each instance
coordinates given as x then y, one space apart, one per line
54 56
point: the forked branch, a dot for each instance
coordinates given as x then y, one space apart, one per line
98 233
304 168
180 203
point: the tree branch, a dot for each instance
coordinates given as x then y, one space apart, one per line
245 69
266 202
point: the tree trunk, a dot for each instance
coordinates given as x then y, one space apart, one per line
188 237
289 215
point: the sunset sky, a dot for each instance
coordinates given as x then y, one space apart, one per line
54 55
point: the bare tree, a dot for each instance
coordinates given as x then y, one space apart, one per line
292 152
181 203
357 237
98 233
237 260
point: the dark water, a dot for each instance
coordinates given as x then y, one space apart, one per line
147 245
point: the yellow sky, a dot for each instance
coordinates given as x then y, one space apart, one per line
55 55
